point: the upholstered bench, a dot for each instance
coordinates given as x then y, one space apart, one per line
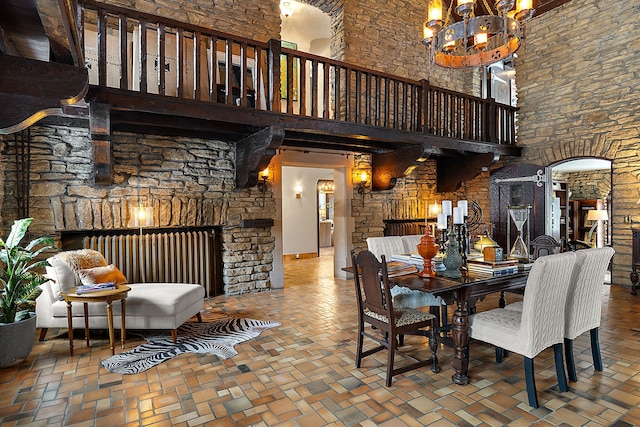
148 305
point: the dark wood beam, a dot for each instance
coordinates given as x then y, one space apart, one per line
254 153
386 168
452 171
36 89
100 129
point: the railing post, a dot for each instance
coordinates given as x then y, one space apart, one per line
491 121
274 75
424 106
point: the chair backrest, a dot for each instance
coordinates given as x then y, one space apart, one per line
410 243
387 246
584 301
545 296
372 284
544 245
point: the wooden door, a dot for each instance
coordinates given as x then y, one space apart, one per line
516 185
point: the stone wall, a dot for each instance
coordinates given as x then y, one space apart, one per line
258 21
576 90
188 182
587 184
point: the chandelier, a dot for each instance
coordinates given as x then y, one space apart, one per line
476 40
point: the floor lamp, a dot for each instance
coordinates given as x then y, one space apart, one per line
596 215
142 217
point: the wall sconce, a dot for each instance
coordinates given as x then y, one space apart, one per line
298 191
264 176
363 182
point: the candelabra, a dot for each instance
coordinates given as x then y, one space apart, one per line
452 257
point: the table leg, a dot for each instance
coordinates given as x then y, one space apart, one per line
110 322
123 328
86 323
634 282
70 323
460 336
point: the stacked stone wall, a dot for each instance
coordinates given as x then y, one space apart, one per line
188 182
576 90
587 184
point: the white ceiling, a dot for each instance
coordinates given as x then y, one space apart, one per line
307 26
583 165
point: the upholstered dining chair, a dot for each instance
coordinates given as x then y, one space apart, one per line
404 297
539 325
584 305
375 307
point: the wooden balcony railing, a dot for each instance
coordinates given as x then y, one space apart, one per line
136 51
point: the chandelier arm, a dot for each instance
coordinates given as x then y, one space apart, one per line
446 20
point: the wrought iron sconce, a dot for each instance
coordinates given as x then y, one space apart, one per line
362 185
264 176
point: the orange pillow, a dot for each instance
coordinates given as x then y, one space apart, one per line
110 273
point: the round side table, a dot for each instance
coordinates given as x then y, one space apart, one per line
108 296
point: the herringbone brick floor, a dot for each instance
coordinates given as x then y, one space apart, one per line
302 374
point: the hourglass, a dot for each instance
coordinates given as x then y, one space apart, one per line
520 249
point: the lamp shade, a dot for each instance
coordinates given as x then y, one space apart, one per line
597 215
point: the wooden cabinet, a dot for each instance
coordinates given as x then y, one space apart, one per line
578 210
560 223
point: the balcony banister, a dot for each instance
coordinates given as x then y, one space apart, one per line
244 73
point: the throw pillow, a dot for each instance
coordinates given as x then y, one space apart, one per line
110 273
63 277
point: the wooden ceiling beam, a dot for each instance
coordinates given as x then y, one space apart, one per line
36 89
254 153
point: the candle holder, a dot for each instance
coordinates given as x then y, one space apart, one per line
463 241
452 258
427 248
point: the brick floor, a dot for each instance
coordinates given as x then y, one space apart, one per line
302 374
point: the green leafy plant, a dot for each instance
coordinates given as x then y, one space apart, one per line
19 281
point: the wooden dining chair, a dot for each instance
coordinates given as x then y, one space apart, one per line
539 325
584 305
375 307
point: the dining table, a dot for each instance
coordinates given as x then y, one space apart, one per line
463 293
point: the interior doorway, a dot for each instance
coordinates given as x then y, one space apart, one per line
579 201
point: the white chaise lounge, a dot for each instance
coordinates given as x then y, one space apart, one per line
148 305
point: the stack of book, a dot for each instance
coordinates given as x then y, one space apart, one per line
85 289
495 268
413 258
399 268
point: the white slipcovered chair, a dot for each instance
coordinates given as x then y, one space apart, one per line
584 305
539 325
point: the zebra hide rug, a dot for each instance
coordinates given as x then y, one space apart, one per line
216 337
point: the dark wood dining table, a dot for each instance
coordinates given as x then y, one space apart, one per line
463 293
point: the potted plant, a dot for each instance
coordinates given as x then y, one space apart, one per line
19 287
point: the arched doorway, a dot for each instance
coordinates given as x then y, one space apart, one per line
580 201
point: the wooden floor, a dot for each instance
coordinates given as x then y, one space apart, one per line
302 374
